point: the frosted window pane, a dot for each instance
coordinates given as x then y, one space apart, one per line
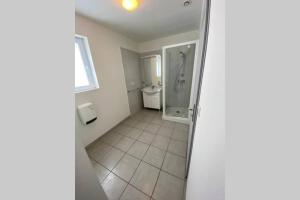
81 78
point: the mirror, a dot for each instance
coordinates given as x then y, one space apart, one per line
151 70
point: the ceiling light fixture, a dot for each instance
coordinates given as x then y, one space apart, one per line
130 5
187 3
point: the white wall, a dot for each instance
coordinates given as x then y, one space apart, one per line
110 99
207 167
86 182
173 39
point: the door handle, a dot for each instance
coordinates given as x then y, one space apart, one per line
193 112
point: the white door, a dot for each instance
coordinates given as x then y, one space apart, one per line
193 109
132 72
193 99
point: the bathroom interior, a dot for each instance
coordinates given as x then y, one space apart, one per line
136 82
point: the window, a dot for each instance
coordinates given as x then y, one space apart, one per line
158 66
85 76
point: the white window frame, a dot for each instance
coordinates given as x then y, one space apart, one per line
88 64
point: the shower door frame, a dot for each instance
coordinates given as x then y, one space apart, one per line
164 48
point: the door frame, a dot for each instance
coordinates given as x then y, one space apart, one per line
164 48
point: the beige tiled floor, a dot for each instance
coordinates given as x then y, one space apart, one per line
142 158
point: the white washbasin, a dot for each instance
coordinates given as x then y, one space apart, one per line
151 90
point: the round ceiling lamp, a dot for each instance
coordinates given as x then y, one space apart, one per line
187 3
130 5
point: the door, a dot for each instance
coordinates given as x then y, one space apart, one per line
131 65
194 110
206 178
193 99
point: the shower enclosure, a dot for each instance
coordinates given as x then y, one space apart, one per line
178 76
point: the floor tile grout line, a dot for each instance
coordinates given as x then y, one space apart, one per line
142 158
134 188
136 170
129 146
138 127
111 171
159 171
152 164
159 147
135 140
145 142
160 168
99 139
119 141
128 182
111 130
103 167
155 184
176 154
164 170
139 190
172 174
136 167
183 179
145 152
143 130
125 152
166 173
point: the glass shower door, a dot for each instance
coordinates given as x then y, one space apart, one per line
178 79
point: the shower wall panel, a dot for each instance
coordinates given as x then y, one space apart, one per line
179 75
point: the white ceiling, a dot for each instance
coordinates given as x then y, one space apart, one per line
152 19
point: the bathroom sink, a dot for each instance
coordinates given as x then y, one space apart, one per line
152 97
151 90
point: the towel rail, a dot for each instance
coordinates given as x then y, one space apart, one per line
128 91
